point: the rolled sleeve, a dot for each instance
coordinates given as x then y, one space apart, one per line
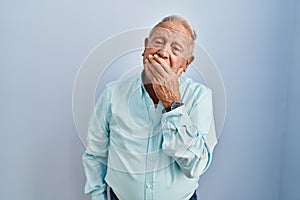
185 135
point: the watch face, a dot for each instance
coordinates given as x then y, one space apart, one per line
173 106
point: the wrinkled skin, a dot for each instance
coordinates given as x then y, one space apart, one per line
166 56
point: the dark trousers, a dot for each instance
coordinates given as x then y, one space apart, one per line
113 196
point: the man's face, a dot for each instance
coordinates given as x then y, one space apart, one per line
172 42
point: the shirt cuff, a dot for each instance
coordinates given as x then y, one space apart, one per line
178 132
177 117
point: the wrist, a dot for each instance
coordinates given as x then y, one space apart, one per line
173 106
168 102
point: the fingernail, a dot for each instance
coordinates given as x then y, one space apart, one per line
155 55
150 56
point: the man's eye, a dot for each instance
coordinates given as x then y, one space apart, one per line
158 42
176 49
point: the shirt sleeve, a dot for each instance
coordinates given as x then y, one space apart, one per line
189 136
95 156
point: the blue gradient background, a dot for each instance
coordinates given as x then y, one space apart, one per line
255 44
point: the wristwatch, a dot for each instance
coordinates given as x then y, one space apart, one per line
173 106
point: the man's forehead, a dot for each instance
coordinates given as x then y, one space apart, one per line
166 32
176 27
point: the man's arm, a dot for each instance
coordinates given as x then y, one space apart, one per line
185 136
95 156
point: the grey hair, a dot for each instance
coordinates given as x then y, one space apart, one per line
184 22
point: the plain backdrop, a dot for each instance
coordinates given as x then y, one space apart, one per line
255 45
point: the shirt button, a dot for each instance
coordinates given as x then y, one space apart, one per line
164 120
148 186
150 158
151 107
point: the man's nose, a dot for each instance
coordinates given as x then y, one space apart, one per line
163 53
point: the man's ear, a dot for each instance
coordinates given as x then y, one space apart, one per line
188 62
145 45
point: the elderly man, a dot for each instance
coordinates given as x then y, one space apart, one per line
151 135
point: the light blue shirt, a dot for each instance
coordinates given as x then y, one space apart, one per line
143 153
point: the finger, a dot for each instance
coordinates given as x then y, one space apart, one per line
167 68
146 61
151 72
157 67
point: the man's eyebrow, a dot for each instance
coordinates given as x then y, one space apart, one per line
181 42
177 43
158 37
